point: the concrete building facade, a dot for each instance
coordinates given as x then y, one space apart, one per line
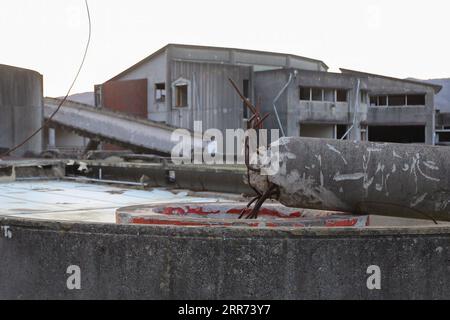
327 105
187 83
190 83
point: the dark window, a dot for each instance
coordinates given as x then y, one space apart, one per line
444 136
341 95
316 94
373 101
416 100
328 95
382 101
397 100
363 96
160 92
340 131
98 96
305 94
397 134
181 96
376 101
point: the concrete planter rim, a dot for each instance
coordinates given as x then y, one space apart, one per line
221 232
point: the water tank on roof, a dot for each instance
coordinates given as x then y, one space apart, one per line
21 113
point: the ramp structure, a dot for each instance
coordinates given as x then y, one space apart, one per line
113 127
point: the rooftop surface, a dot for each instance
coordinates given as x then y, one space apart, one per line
91 202
73 201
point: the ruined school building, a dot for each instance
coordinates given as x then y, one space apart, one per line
180 84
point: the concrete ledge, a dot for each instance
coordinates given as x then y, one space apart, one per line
150 262
193 177
7 174
31 169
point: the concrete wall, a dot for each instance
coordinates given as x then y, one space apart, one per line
158 69
402 115
295 112
323 112
266 87
187 177
211 97
148 262
69 139
21 94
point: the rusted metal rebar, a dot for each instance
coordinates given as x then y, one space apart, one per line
256 121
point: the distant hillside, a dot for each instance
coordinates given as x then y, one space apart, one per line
442 100
84 97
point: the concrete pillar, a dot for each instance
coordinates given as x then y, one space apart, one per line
410 181
355 106
430 127
51 138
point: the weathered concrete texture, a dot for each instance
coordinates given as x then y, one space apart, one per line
206 70
217 178
81 202
295 112
21 94
386 179
31 169
114 127
211 98
145 262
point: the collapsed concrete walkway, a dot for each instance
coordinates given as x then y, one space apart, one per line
112 127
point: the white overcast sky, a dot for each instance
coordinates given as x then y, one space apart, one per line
401 38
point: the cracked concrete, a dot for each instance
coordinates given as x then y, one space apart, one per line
409 181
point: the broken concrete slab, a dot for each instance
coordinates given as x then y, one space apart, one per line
410 181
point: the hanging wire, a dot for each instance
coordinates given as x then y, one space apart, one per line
46 123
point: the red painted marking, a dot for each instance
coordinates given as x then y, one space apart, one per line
271 224
298 225
253 224
187 210
183 211
173 211
201 211
282 218
341 223
173 222
267 212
